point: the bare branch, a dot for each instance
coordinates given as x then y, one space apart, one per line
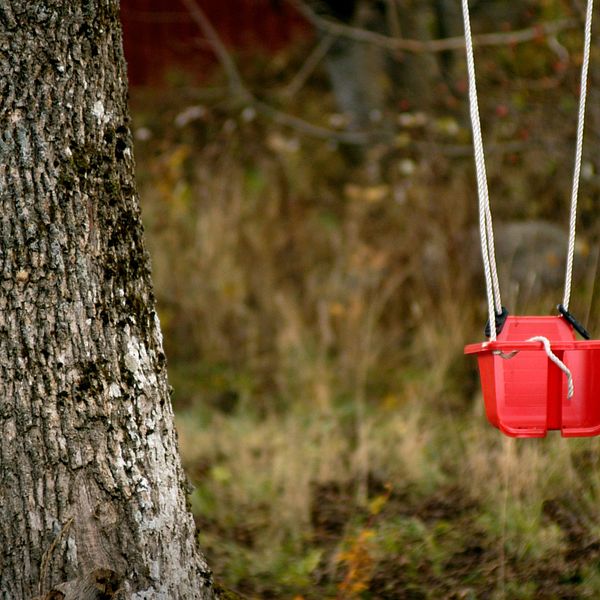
309 65
352 137
393 19
212 37
442 45
355 138
239 89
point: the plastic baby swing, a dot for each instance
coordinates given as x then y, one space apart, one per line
534 374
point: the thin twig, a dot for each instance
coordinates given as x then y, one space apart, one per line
239 90
508 38
578 9
394 26
355 138
212 37
393 19
466 150
309 65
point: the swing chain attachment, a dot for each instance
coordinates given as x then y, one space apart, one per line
500 320
577 326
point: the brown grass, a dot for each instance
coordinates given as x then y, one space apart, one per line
315 312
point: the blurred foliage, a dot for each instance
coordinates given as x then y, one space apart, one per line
332 428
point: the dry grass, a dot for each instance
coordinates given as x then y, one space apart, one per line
331 425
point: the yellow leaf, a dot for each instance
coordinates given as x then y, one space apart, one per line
376 505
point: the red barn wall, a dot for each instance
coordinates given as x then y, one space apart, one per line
159 35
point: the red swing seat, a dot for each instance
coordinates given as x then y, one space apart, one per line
526 395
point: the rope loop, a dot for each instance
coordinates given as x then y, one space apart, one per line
548 349
559 363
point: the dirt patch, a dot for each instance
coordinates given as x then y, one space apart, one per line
447 503
332 505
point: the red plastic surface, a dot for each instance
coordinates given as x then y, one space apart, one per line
526 395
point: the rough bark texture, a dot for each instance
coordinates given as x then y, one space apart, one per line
92 497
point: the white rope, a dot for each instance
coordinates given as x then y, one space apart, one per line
486 230
559 363
492 255
578 152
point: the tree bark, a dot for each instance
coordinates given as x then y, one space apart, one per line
92 493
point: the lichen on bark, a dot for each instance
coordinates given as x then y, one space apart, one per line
90 479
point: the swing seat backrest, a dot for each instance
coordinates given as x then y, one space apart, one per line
525 394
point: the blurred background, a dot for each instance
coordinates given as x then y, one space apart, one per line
307 185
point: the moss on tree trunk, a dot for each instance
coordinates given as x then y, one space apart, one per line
92 491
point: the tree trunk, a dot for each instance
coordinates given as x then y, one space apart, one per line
416 73
356 69
92 493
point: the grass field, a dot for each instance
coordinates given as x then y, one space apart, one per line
315 306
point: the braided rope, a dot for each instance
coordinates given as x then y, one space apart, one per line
486 229
578 153
559 363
